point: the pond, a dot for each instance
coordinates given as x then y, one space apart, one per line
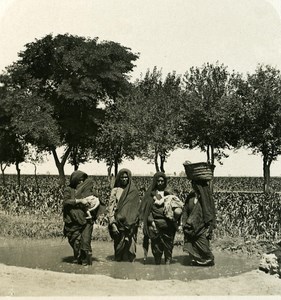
56 255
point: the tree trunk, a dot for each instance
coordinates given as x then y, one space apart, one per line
110 176
212 155
109 169
266 174
211 160
3 173
115 166
162 162
18 172
208 154
60 165
156 161
75 161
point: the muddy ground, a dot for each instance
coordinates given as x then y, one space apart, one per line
18 281
23 281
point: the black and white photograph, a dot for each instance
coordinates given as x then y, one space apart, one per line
140 148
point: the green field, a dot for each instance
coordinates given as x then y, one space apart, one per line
247 219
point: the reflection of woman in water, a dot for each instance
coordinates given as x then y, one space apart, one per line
198 222
77 228
124 205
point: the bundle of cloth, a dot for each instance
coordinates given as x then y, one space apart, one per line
172 206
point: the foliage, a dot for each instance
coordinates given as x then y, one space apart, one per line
13 148
117 137
249 216
154 114
205 111
261 101
57 85
35 227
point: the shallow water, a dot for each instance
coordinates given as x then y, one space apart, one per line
56 255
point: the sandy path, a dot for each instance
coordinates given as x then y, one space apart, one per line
18 281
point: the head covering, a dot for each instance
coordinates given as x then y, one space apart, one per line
156 176
147 198
117 182
127 210
76 177
85 189
206 200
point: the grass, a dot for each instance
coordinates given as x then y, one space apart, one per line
36 227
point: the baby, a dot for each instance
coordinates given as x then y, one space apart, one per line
92 203
85 190
172 206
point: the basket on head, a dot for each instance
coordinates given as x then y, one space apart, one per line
198 171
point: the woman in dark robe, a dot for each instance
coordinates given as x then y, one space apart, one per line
77 228
157 228
124 206
198 222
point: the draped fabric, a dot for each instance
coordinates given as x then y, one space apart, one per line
162 240
199 247
76 177
77 229
125 244
85 189
126 218
148 207
206 201
198 219
127 210
74 213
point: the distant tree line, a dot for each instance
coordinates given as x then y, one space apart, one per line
75 93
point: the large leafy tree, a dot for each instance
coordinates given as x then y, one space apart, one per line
118 138
261 100
208 116
13 148
68 77
156 105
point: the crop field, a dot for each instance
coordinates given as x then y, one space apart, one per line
242 209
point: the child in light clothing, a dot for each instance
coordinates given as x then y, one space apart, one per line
85 190
172 206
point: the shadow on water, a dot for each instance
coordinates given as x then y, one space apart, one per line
56 255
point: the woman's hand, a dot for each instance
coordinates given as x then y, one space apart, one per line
114 229
154 228
158 200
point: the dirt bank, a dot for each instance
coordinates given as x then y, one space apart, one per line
18 281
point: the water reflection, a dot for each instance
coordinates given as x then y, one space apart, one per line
57 256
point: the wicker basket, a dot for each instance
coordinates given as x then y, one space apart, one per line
199 171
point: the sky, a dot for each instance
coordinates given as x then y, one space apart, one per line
173 35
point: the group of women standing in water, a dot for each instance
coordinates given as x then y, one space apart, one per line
160 212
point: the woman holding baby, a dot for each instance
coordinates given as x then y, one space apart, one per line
160 211
80 205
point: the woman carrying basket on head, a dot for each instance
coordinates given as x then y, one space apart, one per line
199 217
